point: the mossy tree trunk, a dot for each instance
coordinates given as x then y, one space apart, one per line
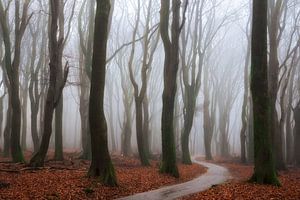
264 171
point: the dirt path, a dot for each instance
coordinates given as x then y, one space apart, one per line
215 175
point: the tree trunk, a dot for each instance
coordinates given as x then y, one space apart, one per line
101 165
146 131
297 135
170 76
264 170
245 109
54 89
1 118
188 124
58 154
7 132
250 141
84 111
273 76
139 132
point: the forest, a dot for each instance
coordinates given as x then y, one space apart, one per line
150 99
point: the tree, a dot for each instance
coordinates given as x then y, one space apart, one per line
34 91
273 73
86 43
297 134
245 108
264 170
171 48
140 95
191 77
101 165
12 70
55 87
63 37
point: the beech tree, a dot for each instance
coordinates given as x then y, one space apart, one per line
171 48
12 70
264 170
35 90
101 165
56 85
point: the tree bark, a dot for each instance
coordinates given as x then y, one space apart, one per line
264 170
54 89
273 76
170 75
297 135
101 165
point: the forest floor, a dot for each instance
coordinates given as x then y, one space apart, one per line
67 179
239 189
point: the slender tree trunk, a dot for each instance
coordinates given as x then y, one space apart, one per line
146 131
24 119
273 76
250 141
58 154
264 171
140 133
288 122
245 113
207 123
54 89
7 132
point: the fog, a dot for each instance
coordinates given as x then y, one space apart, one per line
219 36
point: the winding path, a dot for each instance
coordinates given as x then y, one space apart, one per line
215 175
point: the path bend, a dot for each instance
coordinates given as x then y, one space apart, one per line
215 175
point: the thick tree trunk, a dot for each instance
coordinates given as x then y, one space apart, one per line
170 75
101 165
264 171
1 119
297 135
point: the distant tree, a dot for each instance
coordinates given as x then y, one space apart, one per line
63 37
245 109
264 171
101 165
12 70
35 90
